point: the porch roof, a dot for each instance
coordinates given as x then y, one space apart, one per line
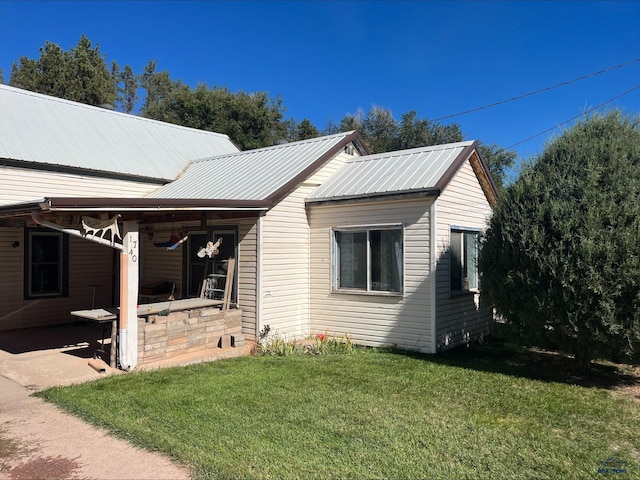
133 205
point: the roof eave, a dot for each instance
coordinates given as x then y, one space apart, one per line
74 204
480 168
373 197
148 204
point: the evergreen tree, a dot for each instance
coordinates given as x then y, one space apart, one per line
561 258
80 75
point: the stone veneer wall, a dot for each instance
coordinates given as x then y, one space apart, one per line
188 332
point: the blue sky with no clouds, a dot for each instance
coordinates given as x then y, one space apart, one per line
327 59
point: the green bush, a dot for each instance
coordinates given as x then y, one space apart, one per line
561 258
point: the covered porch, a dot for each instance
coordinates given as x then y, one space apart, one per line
126 257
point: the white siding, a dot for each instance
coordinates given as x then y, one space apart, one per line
285 259
460 318
247 274
374 320
24 185
89 264
156 263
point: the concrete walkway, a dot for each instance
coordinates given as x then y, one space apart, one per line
39 441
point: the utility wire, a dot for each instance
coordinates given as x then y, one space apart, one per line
502 102
574 118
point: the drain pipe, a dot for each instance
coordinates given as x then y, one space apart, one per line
76 233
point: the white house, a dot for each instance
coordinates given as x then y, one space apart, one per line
325 236
394 241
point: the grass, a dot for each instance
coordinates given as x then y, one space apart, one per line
478 413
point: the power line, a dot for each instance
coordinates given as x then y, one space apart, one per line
574 118
502 102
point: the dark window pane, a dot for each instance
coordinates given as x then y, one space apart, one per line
455 261
196 266
470 260
352 259
45 279
45 274
386 260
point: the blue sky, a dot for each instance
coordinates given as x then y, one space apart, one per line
328 59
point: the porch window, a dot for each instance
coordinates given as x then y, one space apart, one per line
463 263
47 264
198 268
368 259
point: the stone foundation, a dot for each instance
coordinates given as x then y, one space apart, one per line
189 332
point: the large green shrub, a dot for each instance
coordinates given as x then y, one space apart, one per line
561 259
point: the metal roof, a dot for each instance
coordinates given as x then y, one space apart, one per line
263 174
423 169
41 129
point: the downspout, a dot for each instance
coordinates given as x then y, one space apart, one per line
433 253
259 241
128 345
76 233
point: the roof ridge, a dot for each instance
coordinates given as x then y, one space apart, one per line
408 151
281 146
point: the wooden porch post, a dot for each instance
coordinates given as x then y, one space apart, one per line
129 257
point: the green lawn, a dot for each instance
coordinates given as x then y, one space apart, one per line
488 412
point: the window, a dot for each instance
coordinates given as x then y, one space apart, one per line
47 264
463 265
198 268
368 259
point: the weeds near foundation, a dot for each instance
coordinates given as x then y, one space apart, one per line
320 344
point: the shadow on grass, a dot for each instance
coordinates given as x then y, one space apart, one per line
499 355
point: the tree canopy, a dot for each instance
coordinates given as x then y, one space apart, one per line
561 258
80 74
251 120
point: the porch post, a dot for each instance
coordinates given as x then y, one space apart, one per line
128 345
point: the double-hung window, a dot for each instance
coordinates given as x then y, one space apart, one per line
368 259
46 261
463 263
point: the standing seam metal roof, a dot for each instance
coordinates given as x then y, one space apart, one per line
251 175
404 171
47 130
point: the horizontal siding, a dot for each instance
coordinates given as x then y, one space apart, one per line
157 264
247 276
24 185
460 318
285 258
285 267
89 264
374 319
92 264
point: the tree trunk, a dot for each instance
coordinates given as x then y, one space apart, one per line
583 354
582 363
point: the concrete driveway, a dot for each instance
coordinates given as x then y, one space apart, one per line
39 441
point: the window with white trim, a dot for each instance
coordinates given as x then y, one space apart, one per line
463 260
368 259
47 264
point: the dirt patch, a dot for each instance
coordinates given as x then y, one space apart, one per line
8 449
43 468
